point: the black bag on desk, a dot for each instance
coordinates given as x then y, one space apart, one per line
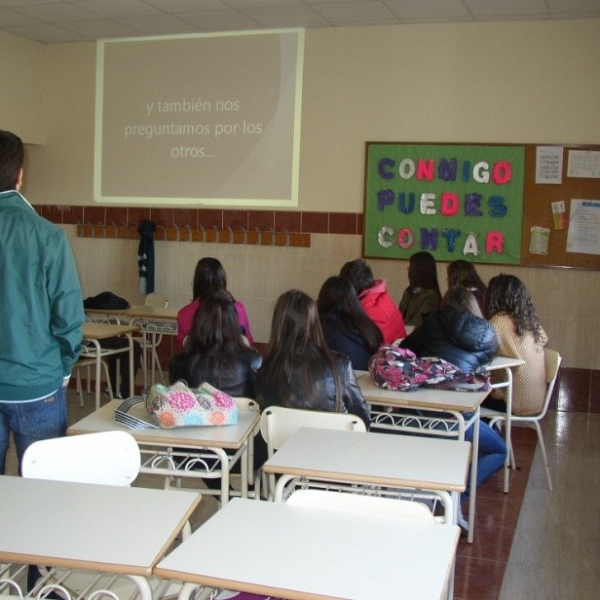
106 301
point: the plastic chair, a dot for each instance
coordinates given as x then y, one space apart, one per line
374 506
88 364
361 504
107 457
278 423
552 359
151 340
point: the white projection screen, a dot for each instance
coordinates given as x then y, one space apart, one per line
199 120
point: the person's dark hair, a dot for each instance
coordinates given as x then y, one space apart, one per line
12 157
216 336
360 275
208 276
460 298
422 272
508 294
462 272
338 297
297 350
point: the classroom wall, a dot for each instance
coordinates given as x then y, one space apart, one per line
21 102
483 82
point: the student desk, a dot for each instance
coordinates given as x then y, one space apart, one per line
165 451
506 364
451 405
94 333
374 459
153 322
107 529
296 552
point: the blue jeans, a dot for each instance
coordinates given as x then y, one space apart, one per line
492 452
30 422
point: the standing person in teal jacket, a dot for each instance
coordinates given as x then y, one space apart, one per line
41 313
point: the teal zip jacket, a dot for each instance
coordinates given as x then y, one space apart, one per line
41 305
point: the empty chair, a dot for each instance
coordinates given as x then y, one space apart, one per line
152 337
377 507
108 457
278 423
88 364
362 504
552 360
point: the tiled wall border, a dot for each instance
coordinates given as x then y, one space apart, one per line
222 219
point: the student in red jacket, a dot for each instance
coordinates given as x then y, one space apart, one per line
375 299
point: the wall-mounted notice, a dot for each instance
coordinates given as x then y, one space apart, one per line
584 227
207 119
548 164
584 163
455 201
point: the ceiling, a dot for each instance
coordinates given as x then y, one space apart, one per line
57 21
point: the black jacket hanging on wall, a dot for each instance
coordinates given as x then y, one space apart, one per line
146 257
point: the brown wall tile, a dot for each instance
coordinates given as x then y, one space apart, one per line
135 215
315 222
209 218
290 221
236 219
342 223
261 219
94 214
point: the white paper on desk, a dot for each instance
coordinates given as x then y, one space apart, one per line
584 227
540 236
548 164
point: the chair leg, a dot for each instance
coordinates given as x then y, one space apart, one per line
544 455
79 387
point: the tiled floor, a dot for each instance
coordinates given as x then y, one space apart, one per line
530 544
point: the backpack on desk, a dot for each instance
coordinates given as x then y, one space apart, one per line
105 301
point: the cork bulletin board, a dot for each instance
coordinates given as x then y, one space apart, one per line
487 203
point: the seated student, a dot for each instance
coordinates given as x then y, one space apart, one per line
423 292
462 272
375 299
346 326
512 314
208 276
456 332
459 334
299 371
215 350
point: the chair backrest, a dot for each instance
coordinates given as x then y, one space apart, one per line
361 504
552 359
247 403
156 300
108 457
278 423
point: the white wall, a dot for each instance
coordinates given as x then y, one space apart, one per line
529 82
21 100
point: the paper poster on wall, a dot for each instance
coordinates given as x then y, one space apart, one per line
584 227
584 163
455 201
540 237
548 164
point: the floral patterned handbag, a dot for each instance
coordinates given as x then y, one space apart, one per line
178 405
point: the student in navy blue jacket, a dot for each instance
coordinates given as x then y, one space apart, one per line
458 333
346 326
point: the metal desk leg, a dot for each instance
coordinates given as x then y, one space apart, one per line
473 486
